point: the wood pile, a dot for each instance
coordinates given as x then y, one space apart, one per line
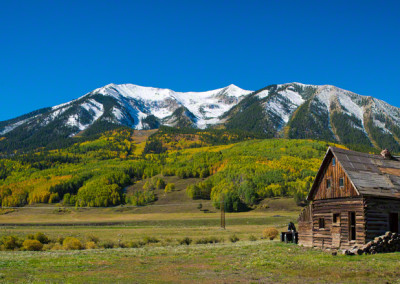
389 242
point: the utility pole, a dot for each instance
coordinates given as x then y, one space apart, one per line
222 206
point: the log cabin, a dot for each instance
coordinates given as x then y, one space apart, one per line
355 198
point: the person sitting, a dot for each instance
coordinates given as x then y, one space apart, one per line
291 227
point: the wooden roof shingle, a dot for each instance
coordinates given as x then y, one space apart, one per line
370 174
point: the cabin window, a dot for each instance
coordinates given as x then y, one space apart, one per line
321 223
328 183
352 226
333 162
341 182
394 222
336 218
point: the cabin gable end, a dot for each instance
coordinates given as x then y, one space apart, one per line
332 181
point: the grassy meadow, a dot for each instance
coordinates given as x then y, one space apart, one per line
260 261
241 262
249 260
165 222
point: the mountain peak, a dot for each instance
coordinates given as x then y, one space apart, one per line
232 86
292 110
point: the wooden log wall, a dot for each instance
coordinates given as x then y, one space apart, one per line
334 173
322 238
305 227
306 233
377 215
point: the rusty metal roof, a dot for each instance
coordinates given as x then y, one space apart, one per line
370 174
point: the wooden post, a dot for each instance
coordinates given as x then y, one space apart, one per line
222 206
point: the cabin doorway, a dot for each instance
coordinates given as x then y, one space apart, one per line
394 222
352 226
336 230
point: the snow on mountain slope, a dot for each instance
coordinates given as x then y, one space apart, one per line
206 106
387 109
348 103
11 127
283 103
93 108
302 111
131 105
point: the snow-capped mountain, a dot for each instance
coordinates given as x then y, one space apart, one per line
129 105
325 112
136 104
291 110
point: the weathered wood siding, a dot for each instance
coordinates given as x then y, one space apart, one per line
377 215
334 173
305 231
322 238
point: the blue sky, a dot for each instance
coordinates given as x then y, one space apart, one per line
55 51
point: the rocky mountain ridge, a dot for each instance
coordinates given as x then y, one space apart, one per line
292 110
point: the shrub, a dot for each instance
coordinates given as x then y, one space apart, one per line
270 233
48 246
60 240
252 238
185 241
169 187
209 240
234 238
122 244
10 243
34 245
92 238
166 241
41 238
30 237
136 244
57 246
151 240
107 244
71 243
90 245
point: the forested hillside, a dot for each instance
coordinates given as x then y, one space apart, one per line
95 172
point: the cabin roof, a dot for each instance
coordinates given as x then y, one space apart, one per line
370 174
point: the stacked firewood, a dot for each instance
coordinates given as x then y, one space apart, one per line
389 242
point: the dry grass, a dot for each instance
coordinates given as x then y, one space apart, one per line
110 224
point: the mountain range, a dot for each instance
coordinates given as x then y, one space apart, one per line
292 110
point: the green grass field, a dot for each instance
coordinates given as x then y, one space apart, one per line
260 261
244 261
